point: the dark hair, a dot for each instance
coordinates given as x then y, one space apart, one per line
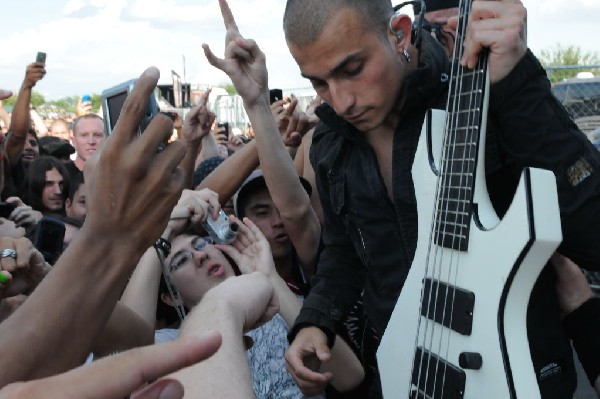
76 180
304 20
35 181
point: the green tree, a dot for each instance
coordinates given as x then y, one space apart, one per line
229 87
36 99
561 56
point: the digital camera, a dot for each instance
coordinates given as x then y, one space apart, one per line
221 230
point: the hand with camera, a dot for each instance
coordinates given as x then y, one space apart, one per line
220 132
23 215
251 250
33 74
194 207
84 106
22 267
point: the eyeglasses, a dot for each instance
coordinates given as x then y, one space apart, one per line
181 258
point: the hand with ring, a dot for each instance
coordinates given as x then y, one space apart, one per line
22 266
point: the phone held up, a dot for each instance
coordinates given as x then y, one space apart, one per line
224 125
86 98
275 95
41 57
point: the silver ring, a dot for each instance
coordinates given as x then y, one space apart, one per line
8 253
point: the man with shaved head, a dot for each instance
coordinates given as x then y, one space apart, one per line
378 79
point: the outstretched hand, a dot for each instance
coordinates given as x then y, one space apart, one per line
244 62
135 187
118 376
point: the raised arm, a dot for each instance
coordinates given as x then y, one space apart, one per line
102 256
245 64
195 128
21 119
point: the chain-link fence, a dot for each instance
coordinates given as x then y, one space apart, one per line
579 92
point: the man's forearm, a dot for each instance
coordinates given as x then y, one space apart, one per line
188 162
226 374
229 176
19 126
98 268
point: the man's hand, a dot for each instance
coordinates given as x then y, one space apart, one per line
250 250
132 195
118 376
500 26
33 74
194 207
244 62
22 273
293 124
23 215
198 122
305 355
83 107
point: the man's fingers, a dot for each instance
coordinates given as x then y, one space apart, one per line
129 370
162 389
25 251
212 58
156 133
228 18
135 106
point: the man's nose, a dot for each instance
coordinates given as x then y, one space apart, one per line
343 100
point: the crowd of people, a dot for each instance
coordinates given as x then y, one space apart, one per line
270 267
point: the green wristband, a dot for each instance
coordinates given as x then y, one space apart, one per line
3 279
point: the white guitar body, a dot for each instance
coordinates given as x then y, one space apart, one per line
503 261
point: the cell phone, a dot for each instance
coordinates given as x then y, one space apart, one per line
86 98
6 209
226 126
275 95
48 238
41 57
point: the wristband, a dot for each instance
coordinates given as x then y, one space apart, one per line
164 246
583 327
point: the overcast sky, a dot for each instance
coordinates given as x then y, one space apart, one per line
96 44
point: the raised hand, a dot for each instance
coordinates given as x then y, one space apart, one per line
83 107
135 190
251 250
33 74
244 62
198 121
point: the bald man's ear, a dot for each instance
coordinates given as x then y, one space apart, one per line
401 27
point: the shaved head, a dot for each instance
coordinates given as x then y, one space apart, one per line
304 20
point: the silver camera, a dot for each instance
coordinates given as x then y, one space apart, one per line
221 230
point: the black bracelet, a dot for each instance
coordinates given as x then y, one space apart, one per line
164 246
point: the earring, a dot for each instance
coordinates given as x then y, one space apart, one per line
406 55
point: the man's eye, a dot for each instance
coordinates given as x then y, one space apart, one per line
355 71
